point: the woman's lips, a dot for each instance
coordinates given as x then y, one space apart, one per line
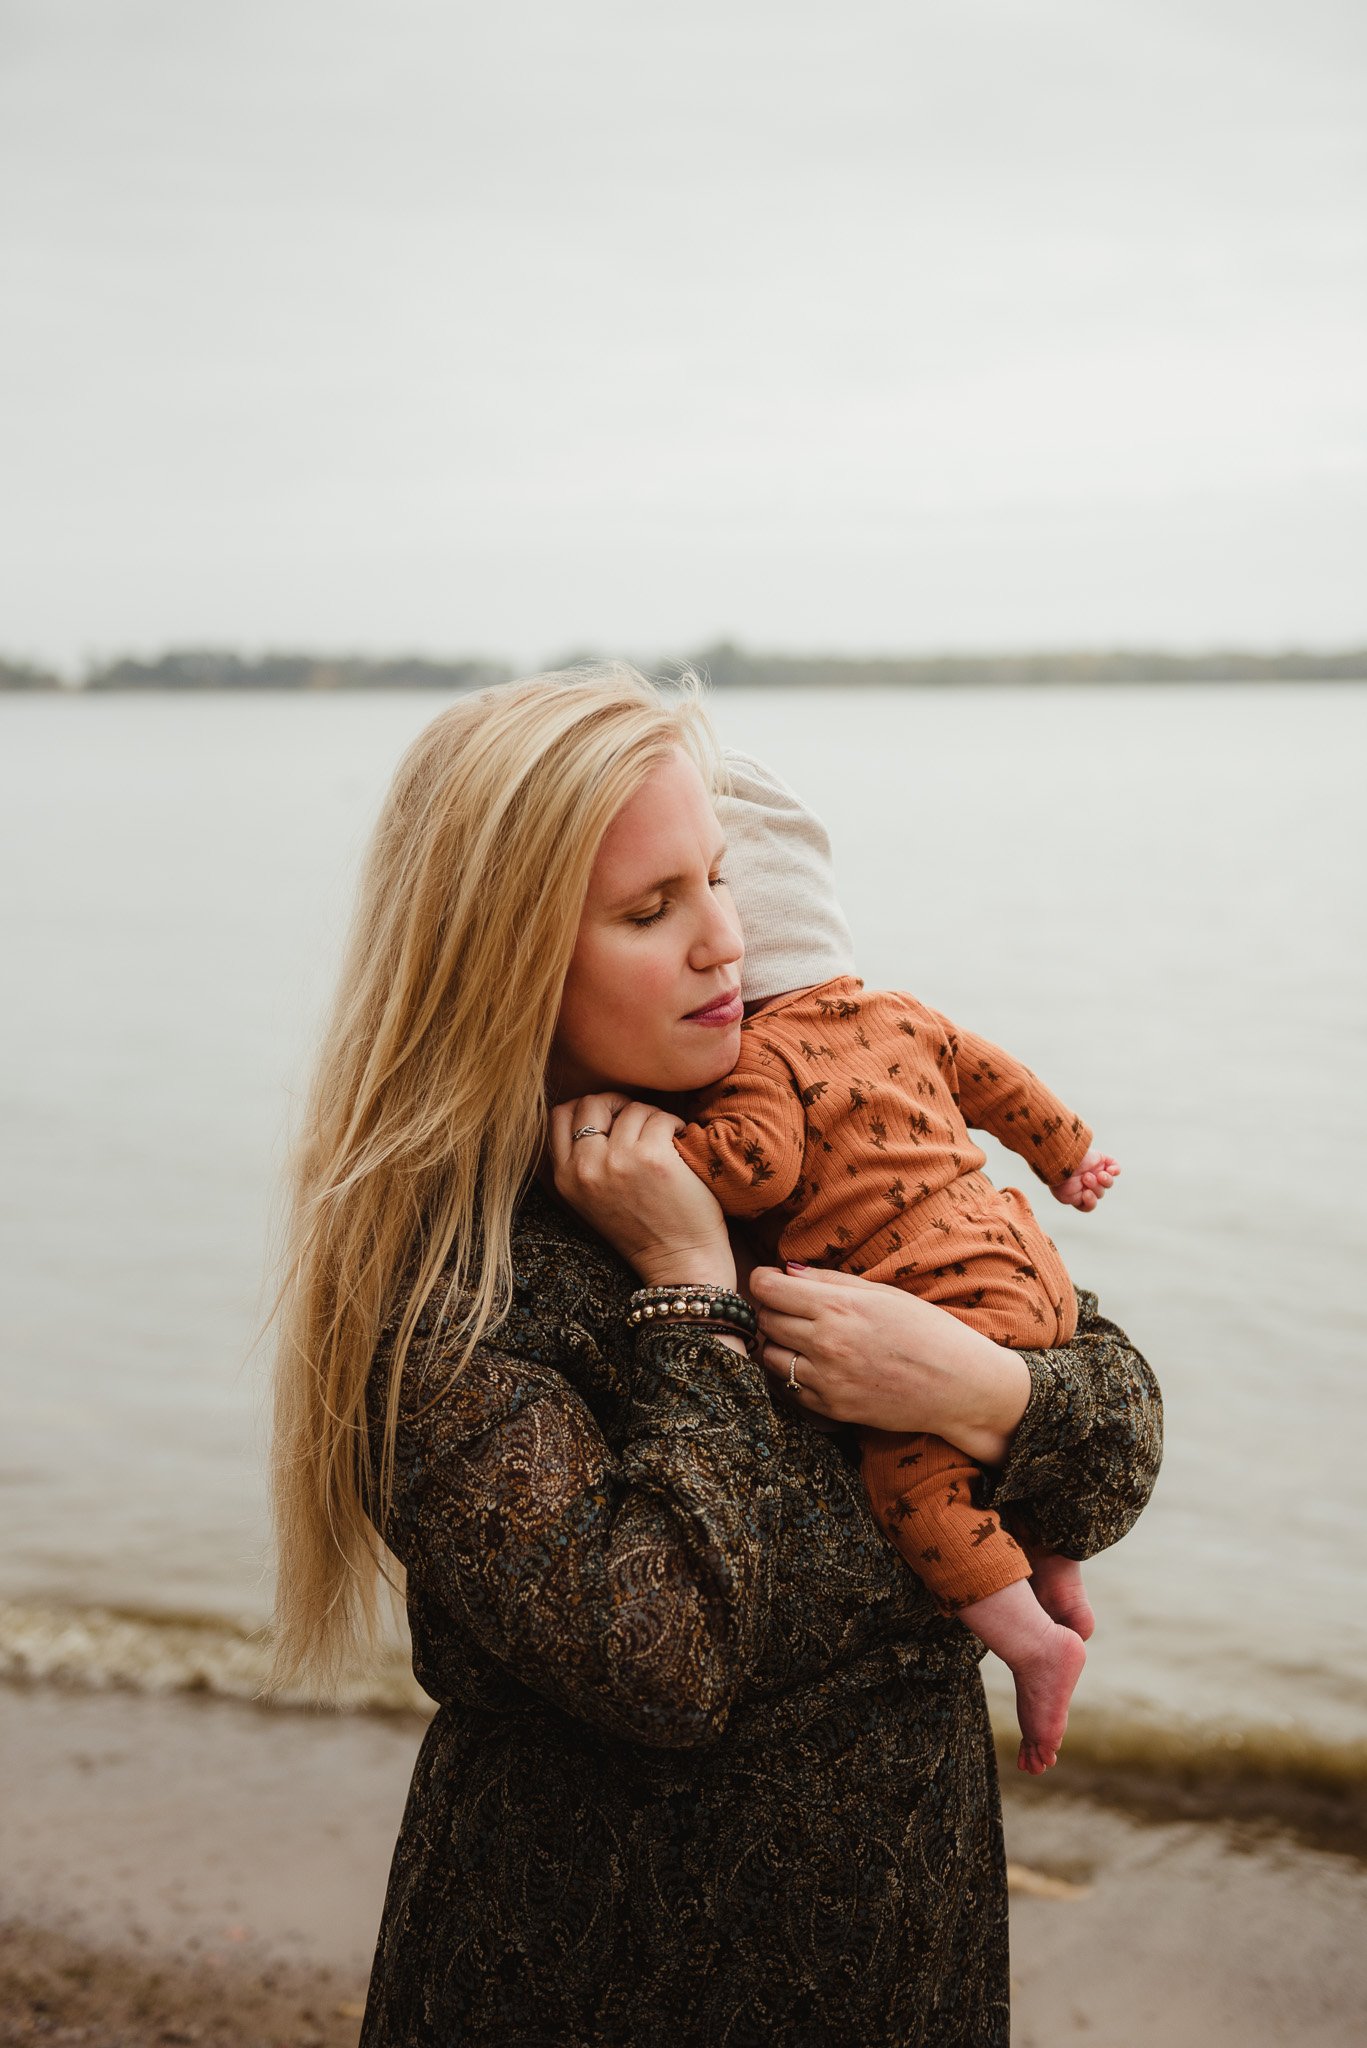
727 1009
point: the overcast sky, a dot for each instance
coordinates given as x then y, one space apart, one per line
883 325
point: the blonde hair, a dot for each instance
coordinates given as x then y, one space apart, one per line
427 1113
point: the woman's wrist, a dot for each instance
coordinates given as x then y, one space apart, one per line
988 1392
674 1268
702 1307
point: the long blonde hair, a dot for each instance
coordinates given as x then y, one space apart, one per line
427 1113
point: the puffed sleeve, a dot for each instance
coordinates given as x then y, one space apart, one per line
628 1588
1086 1453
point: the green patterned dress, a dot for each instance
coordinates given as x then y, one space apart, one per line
708 1767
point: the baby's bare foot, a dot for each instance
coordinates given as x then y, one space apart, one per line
1045 1679
1059 1589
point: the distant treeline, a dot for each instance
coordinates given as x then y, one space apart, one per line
726 665
17 675
196 669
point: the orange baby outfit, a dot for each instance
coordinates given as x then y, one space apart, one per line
843 1130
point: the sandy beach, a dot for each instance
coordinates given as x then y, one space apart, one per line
182 1870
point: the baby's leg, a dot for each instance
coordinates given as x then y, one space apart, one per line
1046 1661
1059 1589
922 1491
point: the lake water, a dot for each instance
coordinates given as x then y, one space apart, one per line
1154 896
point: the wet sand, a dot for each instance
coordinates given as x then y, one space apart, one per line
182 1869
185 1870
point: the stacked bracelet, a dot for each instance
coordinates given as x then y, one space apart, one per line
716 1307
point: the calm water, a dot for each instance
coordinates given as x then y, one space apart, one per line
1154 896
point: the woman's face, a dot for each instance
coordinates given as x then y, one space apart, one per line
652 999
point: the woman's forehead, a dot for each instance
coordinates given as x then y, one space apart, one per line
659 834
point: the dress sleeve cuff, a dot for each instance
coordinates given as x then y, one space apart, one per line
1086 1452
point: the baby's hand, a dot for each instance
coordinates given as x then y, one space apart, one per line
1084 1189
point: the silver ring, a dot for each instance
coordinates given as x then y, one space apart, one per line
586 1131
792 1372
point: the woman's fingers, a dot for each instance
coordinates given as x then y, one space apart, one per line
600 1138
623 1174
777 1357
806 1292
811 1310
778 1360
804 1312
660 1125
600 1112
642 1132
627 1125
793 1331
561 1126
590 1113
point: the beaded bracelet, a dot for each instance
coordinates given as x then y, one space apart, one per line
718 1307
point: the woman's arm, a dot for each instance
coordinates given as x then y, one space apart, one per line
1078 1431
626 1586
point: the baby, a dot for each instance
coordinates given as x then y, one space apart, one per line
843 1130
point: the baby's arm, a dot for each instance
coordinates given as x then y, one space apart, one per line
997 1093
746 1136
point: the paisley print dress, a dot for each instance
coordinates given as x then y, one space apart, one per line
708 1768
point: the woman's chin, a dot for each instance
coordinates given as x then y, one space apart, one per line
714 1063
697 1069
676 1071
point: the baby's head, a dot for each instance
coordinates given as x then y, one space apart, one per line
778 864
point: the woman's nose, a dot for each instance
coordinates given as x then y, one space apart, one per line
720 941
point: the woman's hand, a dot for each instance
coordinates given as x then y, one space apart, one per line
626 1179
871 1354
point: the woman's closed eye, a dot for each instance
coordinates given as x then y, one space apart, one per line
654 916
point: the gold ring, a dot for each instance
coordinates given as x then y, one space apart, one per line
792 1371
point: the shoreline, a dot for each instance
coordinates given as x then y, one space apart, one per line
190 1869
1308 1811
1306 1779
1310 1788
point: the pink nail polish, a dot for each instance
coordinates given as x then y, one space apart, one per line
794 1266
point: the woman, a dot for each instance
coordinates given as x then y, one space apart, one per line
707 1765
